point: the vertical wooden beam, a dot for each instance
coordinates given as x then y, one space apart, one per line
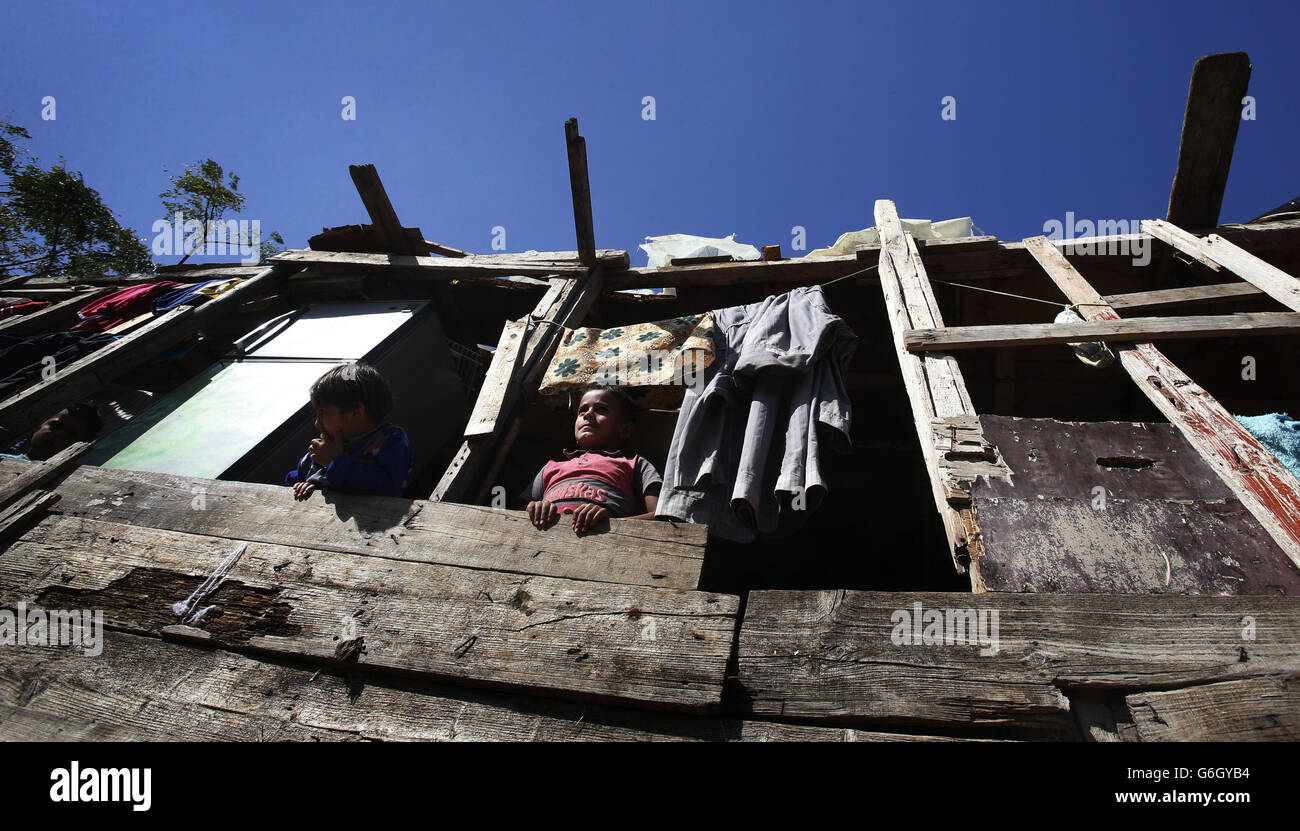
581 187
1219 84
375 198
492 394
1263 484
565 305
936 390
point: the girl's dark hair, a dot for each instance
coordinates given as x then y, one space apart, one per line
348 385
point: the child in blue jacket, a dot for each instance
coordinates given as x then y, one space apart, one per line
357 451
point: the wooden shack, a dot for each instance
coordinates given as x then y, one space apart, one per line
1135 548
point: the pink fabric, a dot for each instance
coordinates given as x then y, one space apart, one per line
27 308
617 471
121 306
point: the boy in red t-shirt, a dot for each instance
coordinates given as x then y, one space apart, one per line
597 480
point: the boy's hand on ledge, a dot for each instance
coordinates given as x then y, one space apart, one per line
302 490
543 514
588 517
324 449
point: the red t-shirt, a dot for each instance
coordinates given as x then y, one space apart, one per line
609 479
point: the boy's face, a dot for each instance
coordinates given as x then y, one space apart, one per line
602 422
56 433
343 423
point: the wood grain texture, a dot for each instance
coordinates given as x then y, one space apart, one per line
1251 710
1129 330
829 655
935 387
1214 102
447 268
632 645
491 396
40 473
1192 294
1263 484
580 187
1268 278
638 552
1120 508
148 689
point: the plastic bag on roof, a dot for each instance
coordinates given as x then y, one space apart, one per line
919 229
661 250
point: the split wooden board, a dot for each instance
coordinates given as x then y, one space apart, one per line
631 645
636 552
833 656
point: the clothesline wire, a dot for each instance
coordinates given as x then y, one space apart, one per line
1074 306
975 288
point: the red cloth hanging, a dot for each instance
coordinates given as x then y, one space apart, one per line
121 306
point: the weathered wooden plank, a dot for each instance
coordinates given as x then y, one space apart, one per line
491 396
61 694
22 412
1181 240
39 473
1117 508
635 552
63 312
1169 297
565 305
1214 101
1251 710
1268 278
1263 484
936 390
380 208
611 258
1129 330
633 645
842 656
371 239
446 268
1217 251
15 517
580 185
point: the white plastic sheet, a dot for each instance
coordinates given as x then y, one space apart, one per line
919 228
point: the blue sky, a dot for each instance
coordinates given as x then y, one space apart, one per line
767 115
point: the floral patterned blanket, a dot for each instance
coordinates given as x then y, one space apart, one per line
652 362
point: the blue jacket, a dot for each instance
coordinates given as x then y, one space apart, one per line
377 463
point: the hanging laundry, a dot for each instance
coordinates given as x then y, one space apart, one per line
745 454
121 306
23 307
23 358
1280 435
193 295
651 362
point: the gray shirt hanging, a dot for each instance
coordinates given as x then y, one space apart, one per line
748 441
